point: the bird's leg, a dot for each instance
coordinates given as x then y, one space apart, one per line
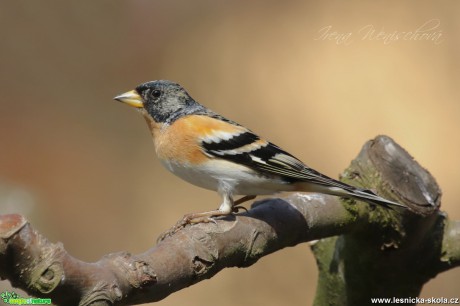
225 209
237 204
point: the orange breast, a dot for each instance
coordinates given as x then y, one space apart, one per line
181 141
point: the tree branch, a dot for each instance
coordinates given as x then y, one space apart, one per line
200 251
195 253
394 255
450 254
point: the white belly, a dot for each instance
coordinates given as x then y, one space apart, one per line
224 177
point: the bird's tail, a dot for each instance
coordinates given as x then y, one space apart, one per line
369 196
347 191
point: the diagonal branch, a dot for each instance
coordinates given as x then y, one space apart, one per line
200 251
195 253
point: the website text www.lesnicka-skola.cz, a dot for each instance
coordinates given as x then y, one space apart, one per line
416 300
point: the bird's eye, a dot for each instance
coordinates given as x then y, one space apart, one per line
156 93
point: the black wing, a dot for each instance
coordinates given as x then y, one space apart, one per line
248 149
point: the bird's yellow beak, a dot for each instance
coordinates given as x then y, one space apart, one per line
131 98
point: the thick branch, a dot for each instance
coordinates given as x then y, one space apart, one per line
450 255
200 251
393 255
195 253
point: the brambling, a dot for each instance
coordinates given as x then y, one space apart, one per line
215 153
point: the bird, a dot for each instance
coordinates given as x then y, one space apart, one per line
215 153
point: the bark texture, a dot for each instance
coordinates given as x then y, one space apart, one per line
379 252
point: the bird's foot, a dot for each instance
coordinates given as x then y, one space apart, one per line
243 199
205 217
236 209
237 204
193 218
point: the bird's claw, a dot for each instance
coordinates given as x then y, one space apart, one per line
236 209
187 219
171 231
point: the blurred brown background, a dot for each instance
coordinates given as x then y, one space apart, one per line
81 167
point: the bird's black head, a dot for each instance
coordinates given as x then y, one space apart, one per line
164 101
